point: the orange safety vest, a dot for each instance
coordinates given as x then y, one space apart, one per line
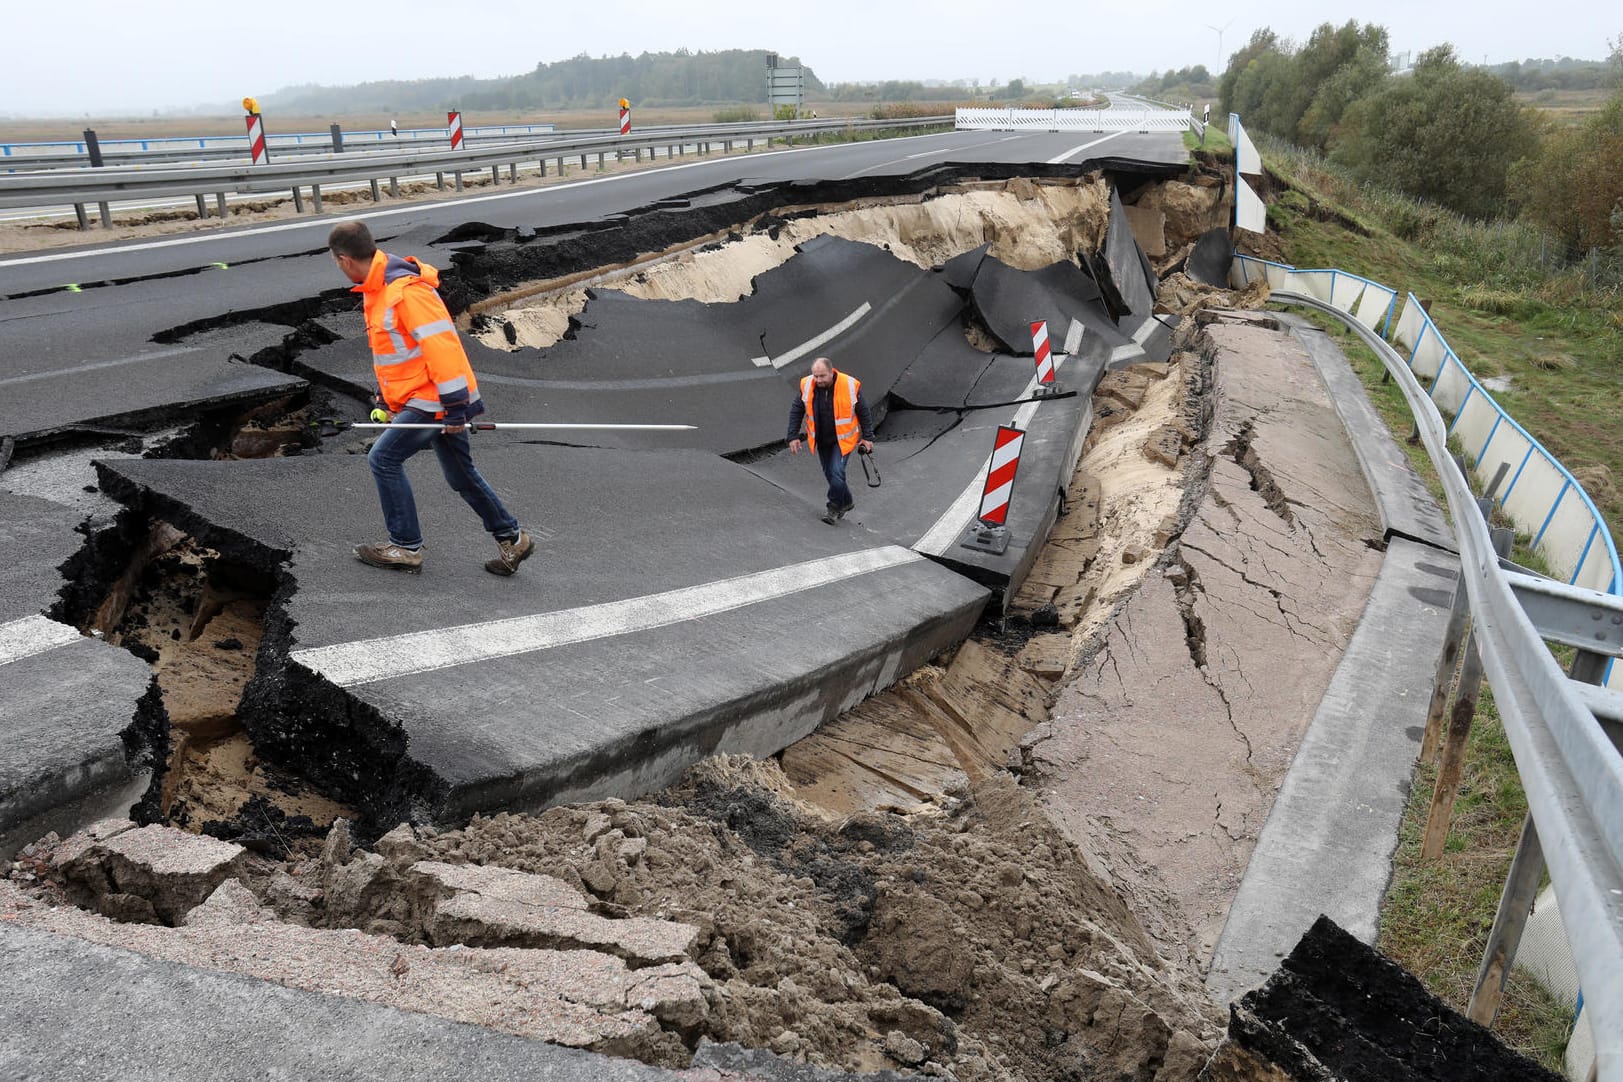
416 354
846 389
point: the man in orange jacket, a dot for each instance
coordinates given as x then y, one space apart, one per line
423 376
837 422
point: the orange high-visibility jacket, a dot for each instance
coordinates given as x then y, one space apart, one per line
846 429
416 354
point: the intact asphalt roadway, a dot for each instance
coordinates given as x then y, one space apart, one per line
684 600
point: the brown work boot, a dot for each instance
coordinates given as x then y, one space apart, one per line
510 554
392 556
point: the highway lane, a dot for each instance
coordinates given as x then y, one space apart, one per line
579 200
103 350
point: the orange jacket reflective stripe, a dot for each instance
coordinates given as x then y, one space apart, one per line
846 389
416 354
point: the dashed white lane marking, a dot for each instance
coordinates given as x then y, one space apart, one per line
1074 151
1140 336
370 660
33 635
955 520
814 343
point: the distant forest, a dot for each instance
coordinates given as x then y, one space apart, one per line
678 78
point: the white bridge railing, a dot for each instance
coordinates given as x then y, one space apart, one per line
1091 120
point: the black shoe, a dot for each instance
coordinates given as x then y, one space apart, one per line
832 514
848 507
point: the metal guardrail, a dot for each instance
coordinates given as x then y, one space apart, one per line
1570 765
67 153
1542 497
79 188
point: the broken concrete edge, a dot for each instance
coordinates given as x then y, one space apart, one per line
659 755
139 424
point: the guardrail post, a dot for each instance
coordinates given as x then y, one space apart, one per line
337 139
394 187
315 198
458 175
93 148
202 206
1448 662
439 179
106 215
84 219
495 176
219 205
1521 888
298 200
377 194
512 172
1459 731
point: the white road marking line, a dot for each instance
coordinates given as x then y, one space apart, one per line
370 660
1140 336
814 343
929 154
33 635
955 520
1073 336
1077 150
94 365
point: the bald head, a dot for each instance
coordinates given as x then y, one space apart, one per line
822 372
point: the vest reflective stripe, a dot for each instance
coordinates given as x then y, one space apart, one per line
428 330
846 389
458 384
385 360
391 329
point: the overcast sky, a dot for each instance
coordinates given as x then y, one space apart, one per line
105 58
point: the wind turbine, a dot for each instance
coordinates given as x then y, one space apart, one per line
1220 30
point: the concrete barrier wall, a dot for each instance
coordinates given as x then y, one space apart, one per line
1538 493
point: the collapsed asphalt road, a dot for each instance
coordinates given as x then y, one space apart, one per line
637 652
639 360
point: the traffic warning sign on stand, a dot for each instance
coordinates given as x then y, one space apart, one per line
990 532
625 117
256 137
453 121
1043 352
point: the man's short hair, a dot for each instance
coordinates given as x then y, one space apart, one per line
352 239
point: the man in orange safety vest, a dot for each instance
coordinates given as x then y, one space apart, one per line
423 378
837 422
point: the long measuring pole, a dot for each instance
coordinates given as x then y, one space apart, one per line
499 426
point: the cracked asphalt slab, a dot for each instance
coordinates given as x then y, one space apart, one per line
1190 710
620 654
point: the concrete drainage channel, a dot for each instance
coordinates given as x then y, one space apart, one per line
887 895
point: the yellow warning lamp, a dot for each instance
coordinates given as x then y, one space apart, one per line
250 106
625 103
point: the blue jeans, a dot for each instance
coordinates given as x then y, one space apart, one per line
388 460
839 495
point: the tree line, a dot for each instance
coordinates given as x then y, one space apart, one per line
1445 132
669 78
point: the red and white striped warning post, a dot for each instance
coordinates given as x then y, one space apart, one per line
625 117
1041 349
989 532
453 121
1000 475
256 139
